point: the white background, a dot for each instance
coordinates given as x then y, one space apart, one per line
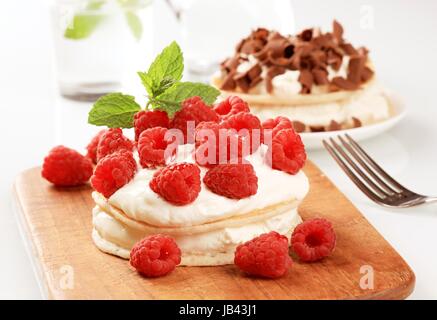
403 46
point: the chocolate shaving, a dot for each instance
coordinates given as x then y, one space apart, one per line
229 83
342 83
306 80
311 52
355 69
320 76
356 122
298 126
349 49
317 128
337 31
334 126
366 74
254 72
306 35
271 73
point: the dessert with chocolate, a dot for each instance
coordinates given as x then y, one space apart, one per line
318 79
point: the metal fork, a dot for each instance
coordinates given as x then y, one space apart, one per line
367 175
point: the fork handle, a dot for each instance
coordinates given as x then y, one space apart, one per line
430 199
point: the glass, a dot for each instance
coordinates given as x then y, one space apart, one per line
96 42
212 28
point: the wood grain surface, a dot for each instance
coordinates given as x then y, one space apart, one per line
57 223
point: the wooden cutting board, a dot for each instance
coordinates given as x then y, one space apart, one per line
58 225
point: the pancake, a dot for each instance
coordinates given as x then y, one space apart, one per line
206 247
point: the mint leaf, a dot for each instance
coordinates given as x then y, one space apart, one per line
147 82
171 100
83 24
166 70
134 23
114 110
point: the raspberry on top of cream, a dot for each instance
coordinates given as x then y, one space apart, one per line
313 60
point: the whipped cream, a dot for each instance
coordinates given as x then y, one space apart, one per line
139 202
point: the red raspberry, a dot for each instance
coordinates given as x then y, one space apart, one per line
150 119
230 106
177 183
211 137
287 152
235 181
265 256
276 125
155 256
313 239
111 141
152 147
195 110
92 146
66 167
248 126
113 172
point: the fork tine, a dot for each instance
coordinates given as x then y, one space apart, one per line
375 165
358 170
351 175
363 164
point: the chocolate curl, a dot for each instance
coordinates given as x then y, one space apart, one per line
299 127
342 83
320 76
334 60
355 69
356 122
306 80
317 129
229 83
337 31
250 78
349 49
243 82
261 34
366 74
231 64
306 35
334 126
271 73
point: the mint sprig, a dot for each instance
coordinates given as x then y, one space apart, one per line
167 69
165 90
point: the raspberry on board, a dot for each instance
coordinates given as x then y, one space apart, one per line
313 240
265 256
155 256
113 172
153 149
193 110
111 141
286 152
92 146
230 106
235 181
178 184
65 167
147 119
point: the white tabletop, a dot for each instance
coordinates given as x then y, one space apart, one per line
403 46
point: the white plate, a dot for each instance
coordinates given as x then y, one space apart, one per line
313 140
